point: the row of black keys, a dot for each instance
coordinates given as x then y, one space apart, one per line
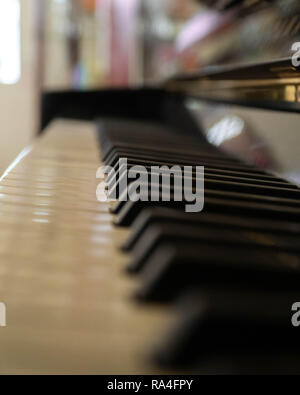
233 269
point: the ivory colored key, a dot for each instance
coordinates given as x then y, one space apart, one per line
61 273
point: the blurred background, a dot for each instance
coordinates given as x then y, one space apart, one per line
80 44
49 45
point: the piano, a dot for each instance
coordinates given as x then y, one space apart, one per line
144 287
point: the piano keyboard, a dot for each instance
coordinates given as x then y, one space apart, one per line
144 287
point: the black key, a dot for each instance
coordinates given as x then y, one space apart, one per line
204 162
128 211
171 269
167 232
255 326
175 159
210 175
211 183
288 230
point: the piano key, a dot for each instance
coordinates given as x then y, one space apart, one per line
172 268
158 215
210 174
156 193
178 159
233 185
188 162
117 171
168 232
231 324
60 269
215 202
165 150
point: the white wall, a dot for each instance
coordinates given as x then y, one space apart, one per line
18 103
